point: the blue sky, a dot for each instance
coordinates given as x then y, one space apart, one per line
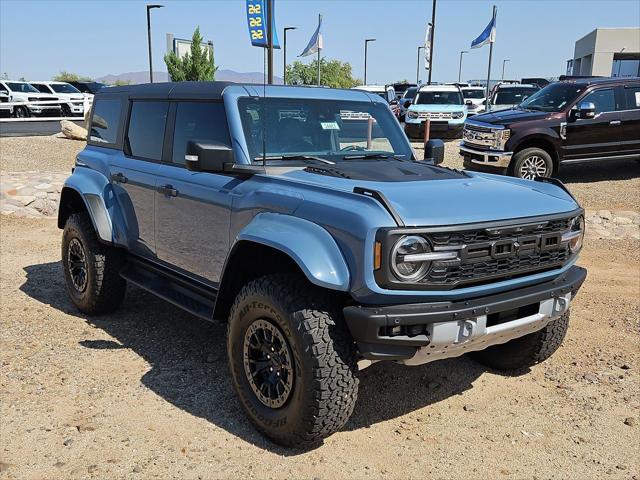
95 38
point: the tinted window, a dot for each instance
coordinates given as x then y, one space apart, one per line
21 87
553 97
632 95
64 88
202 122
476 94
410 93
603 99
513 96
41 88
146 129
105 121
439 98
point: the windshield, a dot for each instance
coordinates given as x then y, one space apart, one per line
410 94
439 98
64 88
328 129
22 87
475 94
553 98
512 96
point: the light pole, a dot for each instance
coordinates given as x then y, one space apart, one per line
503 63
460 67
149 7
284 73
433 32
366 43
418 67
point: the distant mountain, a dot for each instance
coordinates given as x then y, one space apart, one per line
225 75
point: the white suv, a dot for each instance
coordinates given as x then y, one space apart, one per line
74 105
22 92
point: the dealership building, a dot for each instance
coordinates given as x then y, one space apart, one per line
607 52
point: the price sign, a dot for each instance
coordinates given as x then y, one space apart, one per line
257 23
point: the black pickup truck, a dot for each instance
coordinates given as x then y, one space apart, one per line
565 122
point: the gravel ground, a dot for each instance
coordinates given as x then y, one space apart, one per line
145 393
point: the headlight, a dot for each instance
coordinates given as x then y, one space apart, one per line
412 114
501 137
457 115
575 236
402 264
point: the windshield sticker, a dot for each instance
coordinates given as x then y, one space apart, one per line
330 125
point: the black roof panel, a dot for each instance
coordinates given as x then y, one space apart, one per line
208 90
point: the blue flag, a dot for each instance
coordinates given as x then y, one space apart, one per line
488 35
315 44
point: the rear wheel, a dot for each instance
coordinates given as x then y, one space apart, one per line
525 351
91 269
292 360
531 163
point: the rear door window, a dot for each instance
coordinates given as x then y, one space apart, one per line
632 95
41 87
105 121
145 134
200 122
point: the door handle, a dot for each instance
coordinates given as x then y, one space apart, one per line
118 178
168 190
615 123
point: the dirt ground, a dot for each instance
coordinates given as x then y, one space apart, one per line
145 393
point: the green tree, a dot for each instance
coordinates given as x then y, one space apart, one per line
198 65
65 76
333 73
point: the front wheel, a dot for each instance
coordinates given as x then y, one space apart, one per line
65 110
22 112
531 163
292 360
91 269
525 351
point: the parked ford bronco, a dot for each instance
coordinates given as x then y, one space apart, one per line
566 122
302 218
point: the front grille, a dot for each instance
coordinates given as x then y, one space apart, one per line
486 254
435 115
478 137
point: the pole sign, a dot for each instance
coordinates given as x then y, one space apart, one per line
257 22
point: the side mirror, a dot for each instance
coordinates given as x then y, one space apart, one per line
586 110
468 102
407 103
208 157
393 102
434 151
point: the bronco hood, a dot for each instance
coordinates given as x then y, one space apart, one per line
426 195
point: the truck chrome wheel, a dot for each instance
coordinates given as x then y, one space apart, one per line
268 363
532 167
77 264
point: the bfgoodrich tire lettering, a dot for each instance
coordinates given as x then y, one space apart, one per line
525 351
325 386
102 289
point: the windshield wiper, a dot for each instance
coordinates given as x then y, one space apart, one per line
295 157
366 156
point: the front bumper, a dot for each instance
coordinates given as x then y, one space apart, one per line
485 158
416 130
450 329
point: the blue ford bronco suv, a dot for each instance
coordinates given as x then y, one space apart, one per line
302 218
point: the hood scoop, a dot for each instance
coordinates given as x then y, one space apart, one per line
386 171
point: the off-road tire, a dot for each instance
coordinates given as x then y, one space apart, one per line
65 110
325 386
105 288
519 158
21 112
525 351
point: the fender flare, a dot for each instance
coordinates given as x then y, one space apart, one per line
312 247
99 200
